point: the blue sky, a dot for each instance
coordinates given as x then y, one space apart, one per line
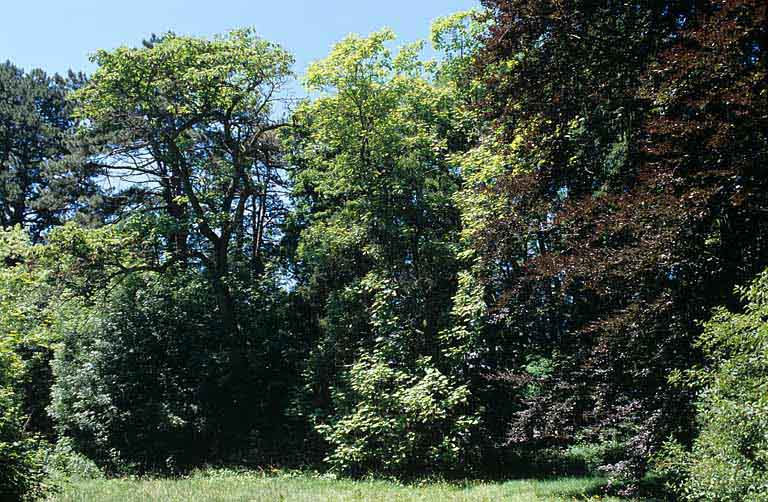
59 34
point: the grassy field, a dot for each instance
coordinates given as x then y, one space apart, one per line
256 487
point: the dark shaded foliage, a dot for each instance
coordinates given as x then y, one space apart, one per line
644 202
42 181
150 385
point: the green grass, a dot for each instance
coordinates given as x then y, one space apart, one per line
258 487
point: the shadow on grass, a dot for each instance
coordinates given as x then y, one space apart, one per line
649 489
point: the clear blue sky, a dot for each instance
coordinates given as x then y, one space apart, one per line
60 34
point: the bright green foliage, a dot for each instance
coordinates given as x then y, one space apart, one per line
33 309
65 464
22 326
404 422
192 119
85 260
729 459
21 469
377 248
183 80
457 37
36 309
469 314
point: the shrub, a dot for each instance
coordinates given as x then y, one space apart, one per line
728 461
403 423
154 381
135 387
63 461
21 469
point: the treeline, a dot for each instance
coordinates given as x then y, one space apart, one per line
540 253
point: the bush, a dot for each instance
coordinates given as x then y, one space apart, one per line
728 461
63 461
141 386
403 424
21 470
154 381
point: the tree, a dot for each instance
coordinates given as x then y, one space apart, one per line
378 227
144 381
607 218
185 130
186 125
42 183
405 423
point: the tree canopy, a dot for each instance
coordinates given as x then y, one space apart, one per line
541 251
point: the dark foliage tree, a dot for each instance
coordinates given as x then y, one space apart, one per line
42 183
632 199
146 385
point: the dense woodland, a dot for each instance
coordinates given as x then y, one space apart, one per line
540 252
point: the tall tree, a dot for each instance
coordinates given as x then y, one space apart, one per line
615 202
185 128
374 188
41 181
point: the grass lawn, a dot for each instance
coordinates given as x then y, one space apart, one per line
257 487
